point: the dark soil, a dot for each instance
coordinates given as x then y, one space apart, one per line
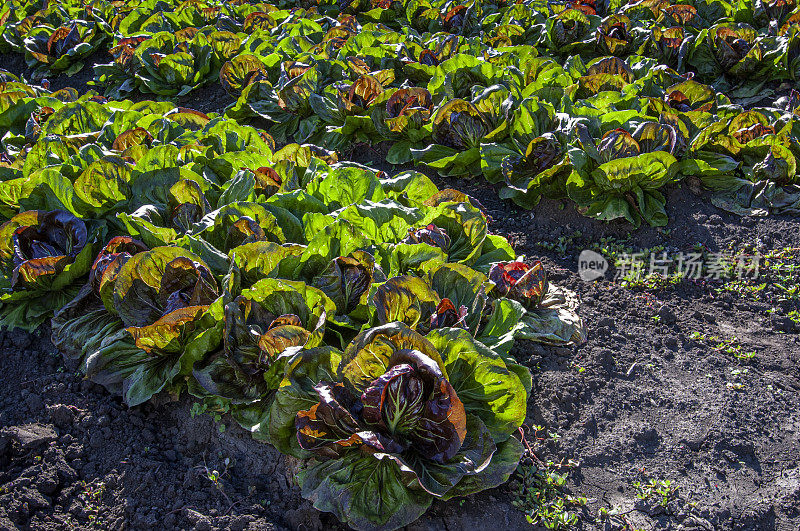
641 399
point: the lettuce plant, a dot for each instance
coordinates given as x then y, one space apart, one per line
519 281
347 280
286 104
533 161
169 66
619 177
550 312
42 255
82 326
566 31
668 45
615 36
542 170
458 128
405 119
750 162
261 329
346 111
240 72
162 298
419 63
402 417
727 49
117 77
449 296
61 48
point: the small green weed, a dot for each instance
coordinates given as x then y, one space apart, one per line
662 491
542 494
777 282
728 346
650 281
216 407
737 384
91 496
562 245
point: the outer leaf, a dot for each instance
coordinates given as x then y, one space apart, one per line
365 492
482 381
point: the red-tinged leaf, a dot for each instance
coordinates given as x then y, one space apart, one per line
363 92
617 144
519 281
443 425
132 137
681 13
258 21
454 20
186 283
55 233
430 234
284 332
329 428
167 334
448 316
394 401
407 101
346 280
31 270
156 58
111 259
62 40
427 57
752 132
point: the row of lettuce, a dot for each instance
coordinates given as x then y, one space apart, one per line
602 105
712 38
359 322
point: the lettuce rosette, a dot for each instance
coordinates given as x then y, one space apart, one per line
261 329
533 162
173 64
163 300
617 35
346 281
419 63
542 170
345 112
568 30
286 104
81 326
42 256
398 420
749 162
449 296
669 45
735 51
61 48
405 119
695 104
460 126
550 312
186 205
620 176
454 229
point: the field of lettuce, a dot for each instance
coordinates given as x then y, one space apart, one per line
314 264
